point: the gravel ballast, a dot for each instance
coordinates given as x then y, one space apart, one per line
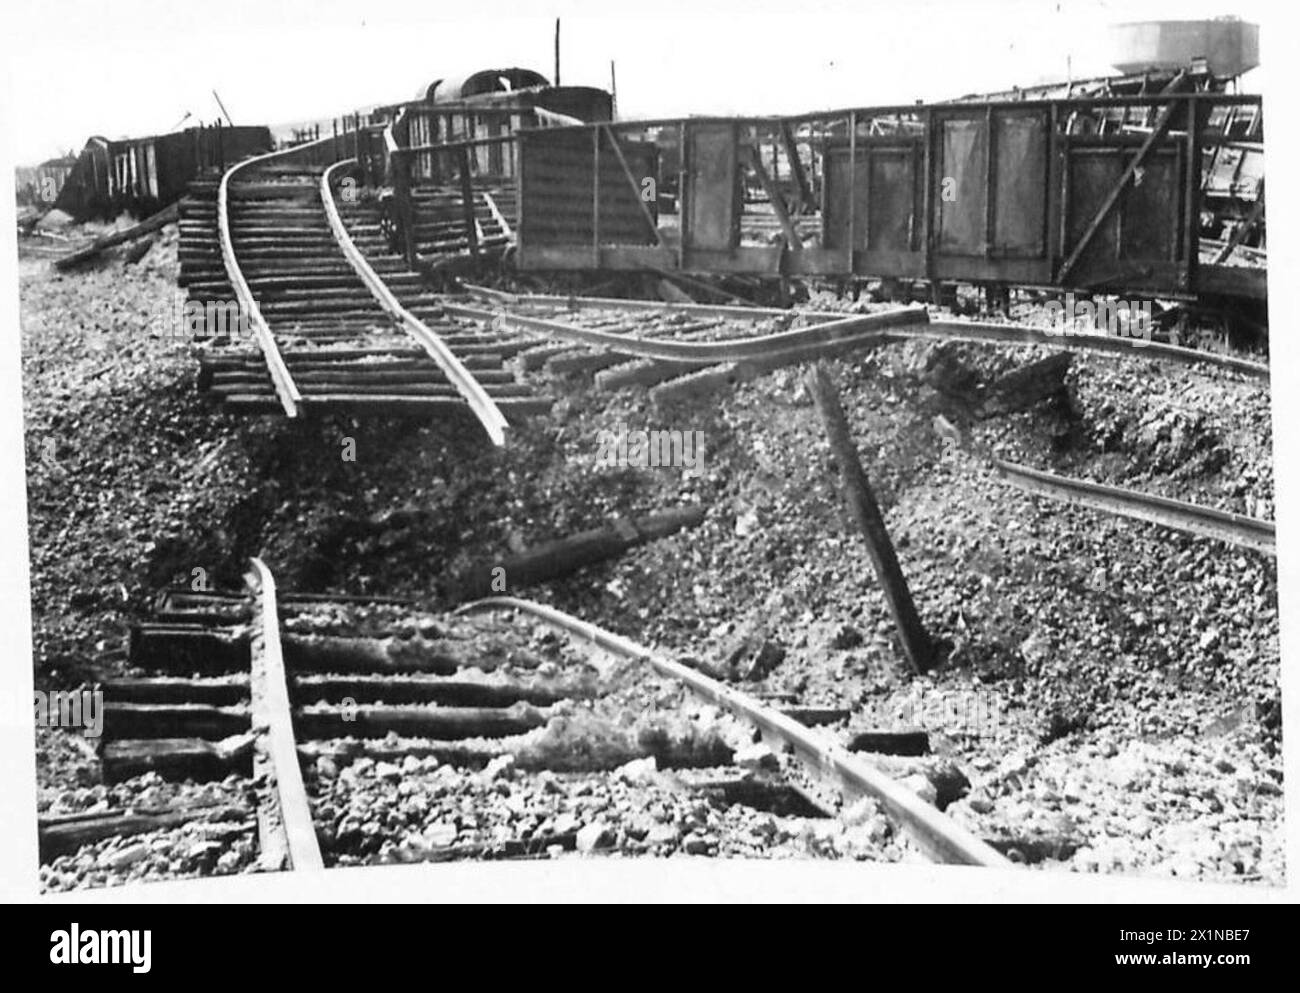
1114 684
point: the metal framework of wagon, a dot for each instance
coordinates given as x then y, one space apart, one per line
1013 192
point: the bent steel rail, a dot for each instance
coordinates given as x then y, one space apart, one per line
987 332
940 837
285 388
978 332
1237 529
484 408
828 333
286 829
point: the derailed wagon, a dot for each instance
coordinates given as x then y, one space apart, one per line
143 175
1003 192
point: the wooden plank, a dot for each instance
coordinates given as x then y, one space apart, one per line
399 167
176 689
1192 166
437 723
806 198
990 182
553 559
909 742
774 197
63 835
1242 229
150 224
467 201
172 720
448 691
177 758
862 505
851 194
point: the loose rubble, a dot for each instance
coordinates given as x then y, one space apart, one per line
1076 645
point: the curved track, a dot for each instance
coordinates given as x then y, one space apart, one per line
336 330
285 388
461 378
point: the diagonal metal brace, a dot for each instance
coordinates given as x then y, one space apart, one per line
1160 130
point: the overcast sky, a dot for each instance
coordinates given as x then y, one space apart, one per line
136 67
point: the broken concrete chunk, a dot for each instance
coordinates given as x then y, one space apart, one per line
594 836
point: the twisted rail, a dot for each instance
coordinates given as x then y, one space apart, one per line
285 388
484 408
940 837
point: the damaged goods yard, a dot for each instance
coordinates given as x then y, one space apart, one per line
489 475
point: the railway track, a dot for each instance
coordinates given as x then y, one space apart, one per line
680 351
440 240
676 351
644 343
289 707
340 323
375 731
523 731
539 312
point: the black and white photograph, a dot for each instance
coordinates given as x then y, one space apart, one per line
585 436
